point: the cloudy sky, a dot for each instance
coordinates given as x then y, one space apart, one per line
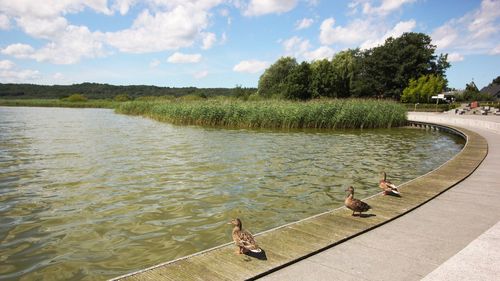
223 43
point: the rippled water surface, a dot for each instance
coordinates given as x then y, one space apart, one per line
89 194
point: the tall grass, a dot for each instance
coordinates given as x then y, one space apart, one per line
328 114
59 103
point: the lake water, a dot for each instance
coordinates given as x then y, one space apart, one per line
88 194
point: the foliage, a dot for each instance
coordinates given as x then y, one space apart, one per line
381 72
386 70
76 98
344 66
467 96
322 79
431 107
423 89
298 83
272 82
496 80
102 91
121 98
471 93
242 93
331 114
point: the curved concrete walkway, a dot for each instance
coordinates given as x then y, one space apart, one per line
456 236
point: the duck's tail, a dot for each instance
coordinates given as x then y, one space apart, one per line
256 250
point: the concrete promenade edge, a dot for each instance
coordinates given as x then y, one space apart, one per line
305 238
455 236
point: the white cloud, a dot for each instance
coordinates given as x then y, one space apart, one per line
313 3
454 57
58 76
75 43
224 12
18 50
208 40
398 30
66 44
6 64
250 66
262 7
303 23
386 7
46 28
18 76
300 48
123 6
296 46
184 58
201 74
444 36
4 22
154 63
366 33
476 32
10 74
163 25
51 8
354 33
496 50
484 21
223 38
323 52
169 30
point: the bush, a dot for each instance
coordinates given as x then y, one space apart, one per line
76 98
122 97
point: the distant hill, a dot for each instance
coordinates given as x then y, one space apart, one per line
103 91
493 88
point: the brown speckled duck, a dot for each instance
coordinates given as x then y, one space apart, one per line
388 187
243 239
354 204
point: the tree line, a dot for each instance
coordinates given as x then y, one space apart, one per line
380 72
106 91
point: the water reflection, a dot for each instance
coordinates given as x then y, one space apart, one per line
88 194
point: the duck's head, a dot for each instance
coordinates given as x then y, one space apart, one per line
384 175
350 189
235 222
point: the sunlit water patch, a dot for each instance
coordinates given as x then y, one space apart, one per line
89 194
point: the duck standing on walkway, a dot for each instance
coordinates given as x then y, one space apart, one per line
388 187
243 239
354 204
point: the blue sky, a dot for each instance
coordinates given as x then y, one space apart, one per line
223 43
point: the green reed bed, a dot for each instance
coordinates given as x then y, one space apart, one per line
328 114
59 103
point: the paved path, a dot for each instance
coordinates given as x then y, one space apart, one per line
438 241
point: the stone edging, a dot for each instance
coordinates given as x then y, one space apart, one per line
298 240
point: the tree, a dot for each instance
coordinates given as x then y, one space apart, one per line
272 81
298 83
343 67
387 69
423 88
471 93
322 79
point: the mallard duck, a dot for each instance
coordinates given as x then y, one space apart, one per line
387 186
354 204
243 239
